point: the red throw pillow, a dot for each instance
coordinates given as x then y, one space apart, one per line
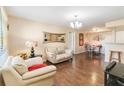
36 66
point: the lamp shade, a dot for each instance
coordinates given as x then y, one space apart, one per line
31 43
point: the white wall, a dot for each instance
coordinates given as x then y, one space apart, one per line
21 30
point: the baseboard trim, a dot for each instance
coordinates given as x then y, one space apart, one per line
79 52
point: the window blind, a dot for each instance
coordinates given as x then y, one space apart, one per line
1 35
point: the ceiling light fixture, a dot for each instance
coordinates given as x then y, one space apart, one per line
76 24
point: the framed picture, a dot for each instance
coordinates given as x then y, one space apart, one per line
81 39
54 37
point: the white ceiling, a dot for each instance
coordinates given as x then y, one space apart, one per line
62 15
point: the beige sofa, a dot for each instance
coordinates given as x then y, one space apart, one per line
42 76
58 54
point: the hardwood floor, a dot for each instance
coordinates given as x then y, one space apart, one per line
81 71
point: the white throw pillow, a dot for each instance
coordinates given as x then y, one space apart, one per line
20 68
60 50
52 49
17 60
32 61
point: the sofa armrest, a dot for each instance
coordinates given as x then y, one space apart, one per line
38 72
68 51
11 76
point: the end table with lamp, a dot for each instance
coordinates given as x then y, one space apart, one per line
32 45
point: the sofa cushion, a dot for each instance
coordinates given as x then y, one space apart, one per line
52 49
60 50
60 56
51 55
36 66
20 68
67 55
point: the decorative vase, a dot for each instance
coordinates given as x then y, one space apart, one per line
32 52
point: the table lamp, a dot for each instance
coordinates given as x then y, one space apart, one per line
32 45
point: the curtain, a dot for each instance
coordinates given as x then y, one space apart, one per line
3 37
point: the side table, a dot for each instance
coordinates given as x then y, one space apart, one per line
35 56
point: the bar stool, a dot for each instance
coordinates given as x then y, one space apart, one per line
118 56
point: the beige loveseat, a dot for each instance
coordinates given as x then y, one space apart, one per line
57 54
42 76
